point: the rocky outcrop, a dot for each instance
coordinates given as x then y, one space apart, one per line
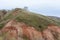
20 31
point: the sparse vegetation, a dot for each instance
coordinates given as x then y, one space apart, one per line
29 18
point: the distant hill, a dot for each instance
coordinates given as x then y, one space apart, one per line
38 21
57 19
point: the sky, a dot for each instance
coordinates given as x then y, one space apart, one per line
45 7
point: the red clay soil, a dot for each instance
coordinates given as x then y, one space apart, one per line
19 29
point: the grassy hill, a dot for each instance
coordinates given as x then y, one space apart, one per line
38 21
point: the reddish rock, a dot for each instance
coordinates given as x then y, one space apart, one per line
18 30
48 35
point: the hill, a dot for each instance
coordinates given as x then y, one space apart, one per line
15 30
20 24
38 21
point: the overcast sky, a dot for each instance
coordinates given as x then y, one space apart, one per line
45 7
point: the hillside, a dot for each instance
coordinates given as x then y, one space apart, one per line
15 30
38 21
20 24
